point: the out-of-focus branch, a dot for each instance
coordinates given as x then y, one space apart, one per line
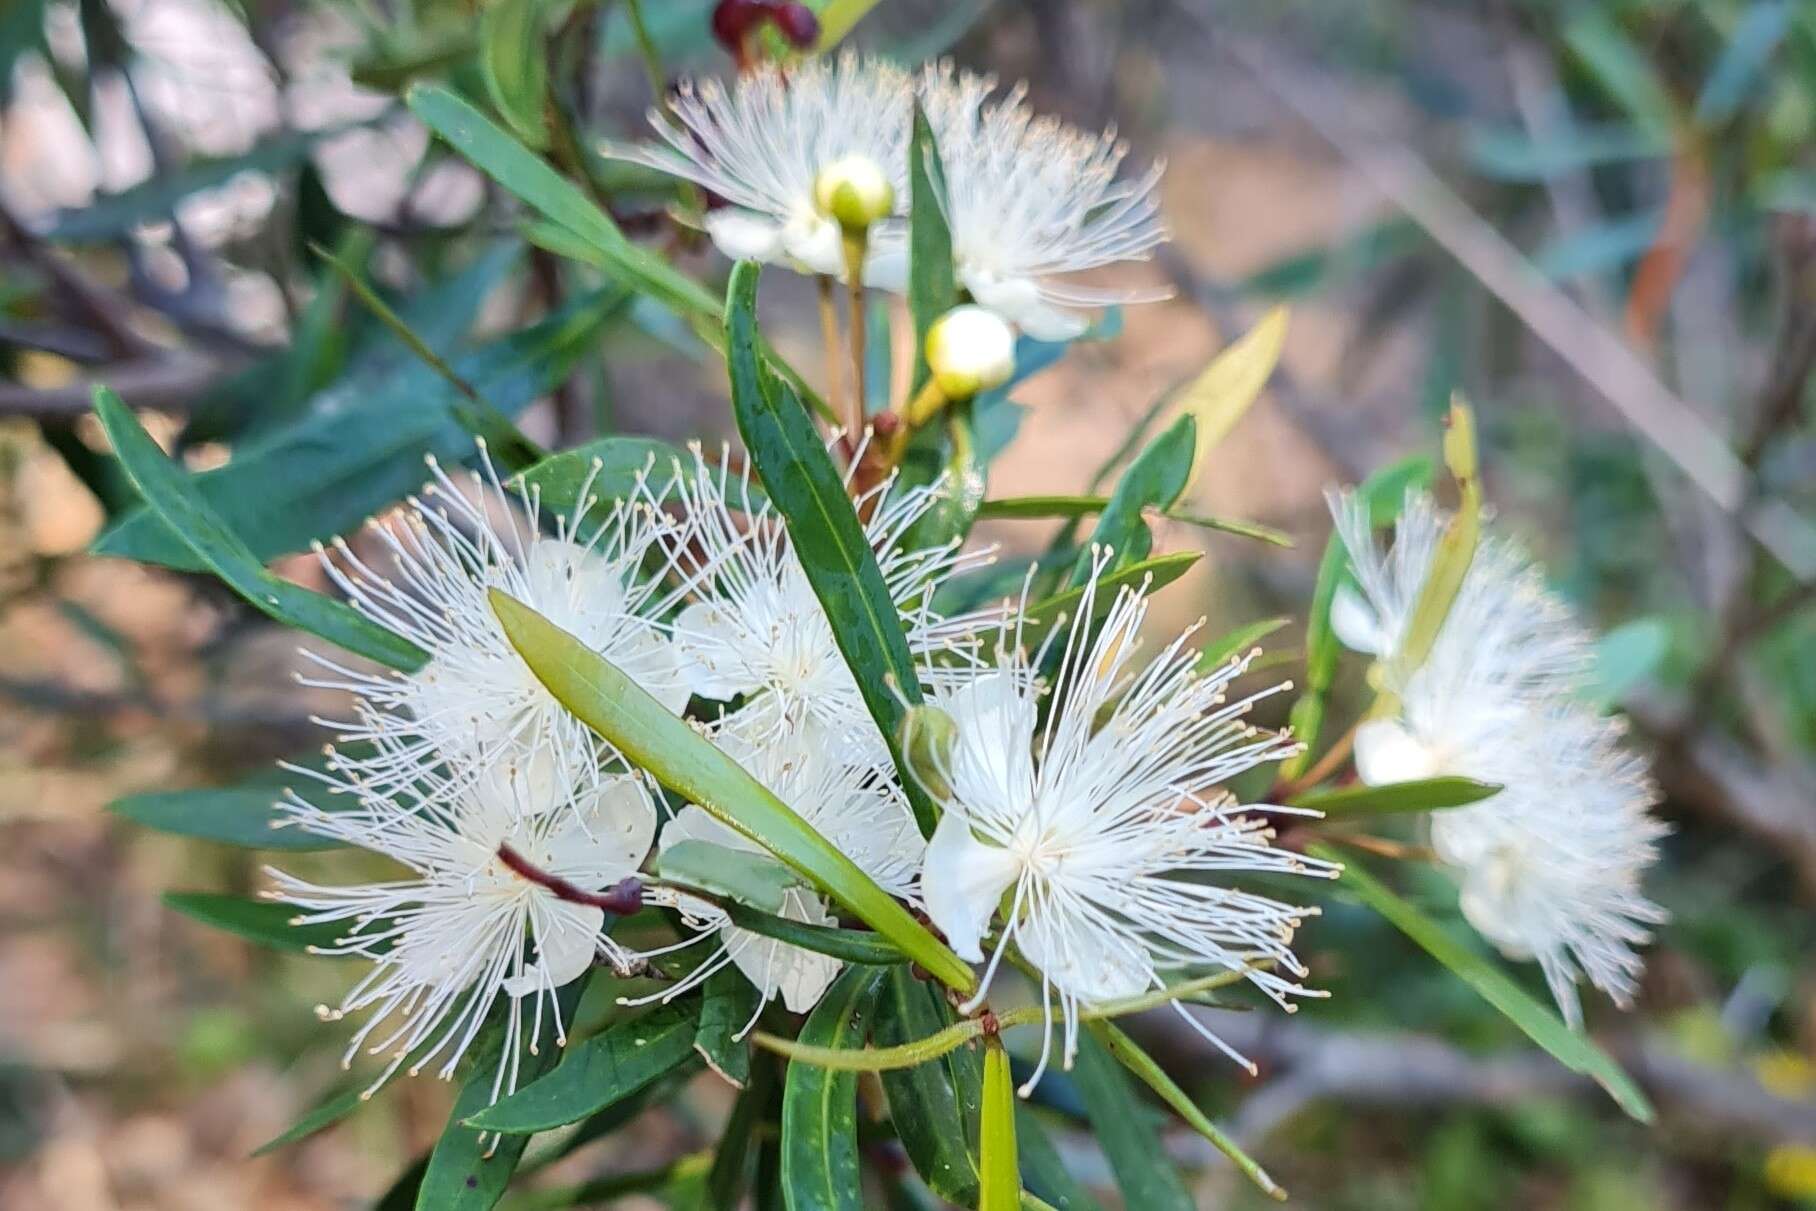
1594 352
171 382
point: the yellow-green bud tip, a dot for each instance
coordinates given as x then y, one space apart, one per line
970 349
854 192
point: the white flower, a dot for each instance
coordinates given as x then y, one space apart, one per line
761 145
757 627
1549 868
476 703
1103 830
861 813
1029 199
461 925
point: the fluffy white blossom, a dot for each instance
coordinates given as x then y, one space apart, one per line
1550 867
1105 830
1030 200
761 143
459 926
859 811
476 703
758 629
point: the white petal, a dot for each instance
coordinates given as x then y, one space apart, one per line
1092 963
992 756
707 642
800 976
1356 623
1018 300
695 823
1386 752
816 243
565 944
743 236
608 839
886 267
961 883
651 660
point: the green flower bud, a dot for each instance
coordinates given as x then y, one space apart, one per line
853 192
927 736
970 349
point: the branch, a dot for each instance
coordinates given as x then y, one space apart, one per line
170 383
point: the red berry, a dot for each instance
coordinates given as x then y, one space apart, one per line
734 19
797 23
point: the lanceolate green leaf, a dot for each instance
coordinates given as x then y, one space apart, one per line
523 173
1223 390
258 921
733 1158
244 815
1128 1053
329 1111
515 67
1155 480
1043 1172
1125 1130
172 496
1538 1022
607 470
611 1065
791 458
1427 794
932 288
623 712
754 879
1237 643
819 1107
851 945
728 1002
469 1169
1057 610
1024 507
1000 1173
930 1104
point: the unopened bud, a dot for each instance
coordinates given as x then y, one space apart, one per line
854 192
927 737
797 23
970 349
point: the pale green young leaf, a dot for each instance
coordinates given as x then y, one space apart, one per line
998 1169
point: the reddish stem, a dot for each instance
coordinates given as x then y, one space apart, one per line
622 900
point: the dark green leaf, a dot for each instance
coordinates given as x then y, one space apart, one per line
606 470
850 945
237 815
328 1112
791 459
734 1158
1153 481
819 1107
21 33
1424 795
1622 68
1125 1130
932 287
174 498
930 1104
1058 609
1042 1170
728 1004
611 1065
258 921
512 59
468 1169
754 879
1539 1023
363 447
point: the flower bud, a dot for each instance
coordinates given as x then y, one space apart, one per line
797 24
970 349
853 192
927 736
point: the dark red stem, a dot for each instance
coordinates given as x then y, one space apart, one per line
622 900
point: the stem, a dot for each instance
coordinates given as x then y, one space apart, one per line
829 333
925 405
646 50
854 281
1327 764
622 900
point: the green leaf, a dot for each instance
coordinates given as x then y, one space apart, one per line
512 60
1155 480
362 446
1048 612
932 286
173 497
21 33
1042 1170
326 1113
112 215
1125 1130
1621 68
1600 248
998 1169
728 1003
1750 47
849 945
930 1104
468 1169
1224 390
1455 552
1218 652
1512 154
947 447
611 1065
259 921
1128 1053
607 469
734 1157
819 1107
754 879
1423 795
1024 507
1626 656
791 459
525 175
837 18
1540 1024
242 815
620 710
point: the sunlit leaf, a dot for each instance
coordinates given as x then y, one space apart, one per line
998 1169
1423 795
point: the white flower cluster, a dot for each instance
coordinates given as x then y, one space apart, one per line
1094 801
1549 868
1028 199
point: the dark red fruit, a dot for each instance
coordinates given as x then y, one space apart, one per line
734 19
796 23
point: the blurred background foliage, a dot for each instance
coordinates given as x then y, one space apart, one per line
1596 219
